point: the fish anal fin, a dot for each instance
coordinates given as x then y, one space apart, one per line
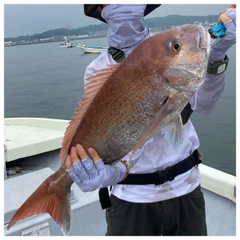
173 133
47 198
92 87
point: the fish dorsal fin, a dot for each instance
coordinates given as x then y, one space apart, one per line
91 88
173 133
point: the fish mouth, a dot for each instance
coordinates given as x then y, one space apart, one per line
174 86
204 39
205 42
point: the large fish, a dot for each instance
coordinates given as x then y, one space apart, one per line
126 104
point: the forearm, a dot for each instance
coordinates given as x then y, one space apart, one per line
205 99
218 51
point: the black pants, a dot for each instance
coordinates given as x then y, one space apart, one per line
182 216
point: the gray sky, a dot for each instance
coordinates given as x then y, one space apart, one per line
27 19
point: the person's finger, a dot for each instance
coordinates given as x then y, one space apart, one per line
224 18
90 168
94 155
74 155
227 9
81 152
68 163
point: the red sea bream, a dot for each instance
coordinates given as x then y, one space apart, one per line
126 104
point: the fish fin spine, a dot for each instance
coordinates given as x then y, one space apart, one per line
92 87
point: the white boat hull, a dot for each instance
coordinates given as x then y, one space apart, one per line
67 46
92 49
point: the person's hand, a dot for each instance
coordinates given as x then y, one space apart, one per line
218 51
89 171
224 18
228 14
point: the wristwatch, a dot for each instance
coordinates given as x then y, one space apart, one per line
219 67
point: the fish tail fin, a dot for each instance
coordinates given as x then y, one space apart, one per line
49 197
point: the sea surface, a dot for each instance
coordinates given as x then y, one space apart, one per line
44 80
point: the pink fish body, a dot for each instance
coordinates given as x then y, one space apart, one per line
124 105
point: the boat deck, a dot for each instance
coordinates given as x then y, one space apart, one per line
27 137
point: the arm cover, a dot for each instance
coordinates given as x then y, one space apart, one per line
205 99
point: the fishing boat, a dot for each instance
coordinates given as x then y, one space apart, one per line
32 147
92 48
67 44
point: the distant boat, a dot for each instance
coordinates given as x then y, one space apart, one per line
67 44
92 48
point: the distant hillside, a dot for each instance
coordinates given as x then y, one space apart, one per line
157 22
176 20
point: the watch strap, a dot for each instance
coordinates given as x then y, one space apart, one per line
219 67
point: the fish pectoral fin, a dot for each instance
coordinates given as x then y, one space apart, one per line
173 133
152 127
48 198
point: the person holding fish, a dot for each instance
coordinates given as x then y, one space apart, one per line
134 128
172 203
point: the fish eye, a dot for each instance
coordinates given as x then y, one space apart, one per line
175 46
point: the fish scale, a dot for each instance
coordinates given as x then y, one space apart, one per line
114 120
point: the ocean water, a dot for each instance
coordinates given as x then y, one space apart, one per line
44 80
